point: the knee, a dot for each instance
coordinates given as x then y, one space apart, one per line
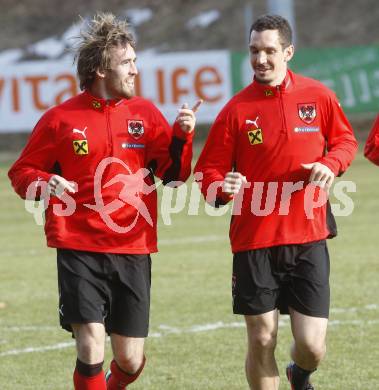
317 353
262 341
314 352
130 363
90 350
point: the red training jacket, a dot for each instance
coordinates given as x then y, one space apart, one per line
266 133
372 144
87 137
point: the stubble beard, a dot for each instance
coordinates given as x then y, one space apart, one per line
129 92
262 80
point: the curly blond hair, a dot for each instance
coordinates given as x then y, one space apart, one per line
101 34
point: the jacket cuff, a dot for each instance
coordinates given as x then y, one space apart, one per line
222 198
179 133
37 188
334 166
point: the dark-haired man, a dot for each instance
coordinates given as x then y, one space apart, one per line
104 147
276 148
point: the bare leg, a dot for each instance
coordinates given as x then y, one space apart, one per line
128 363
309 345
128 352
261 369
90 340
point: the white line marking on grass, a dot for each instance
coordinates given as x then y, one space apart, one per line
169 329
215 326
352 322
354 309
166 330
374 306
222 325
38 349
28 328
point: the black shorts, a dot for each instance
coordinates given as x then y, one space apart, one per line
113 289
280 277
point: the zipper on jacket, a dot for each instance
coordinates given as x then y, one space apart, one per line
282 112
109 131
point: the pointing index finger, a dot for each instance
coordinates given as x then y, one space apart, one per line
197 105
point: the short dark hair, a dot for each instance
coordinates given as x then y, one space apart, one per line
101 34
274 22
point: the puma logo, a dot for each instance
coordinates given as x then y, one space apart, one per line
255 122
82 132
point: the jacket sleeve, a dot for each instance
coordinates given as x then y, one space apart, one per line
169 152
216 160
341 143
36 162
371 151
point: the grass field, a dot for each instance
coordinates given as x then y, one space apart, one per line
195 342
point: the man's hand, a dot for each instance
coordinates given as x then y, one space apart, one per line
186 117
233 182
320 176
57 185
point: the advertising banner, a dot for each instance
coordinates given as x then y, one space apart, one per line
353 73
28 89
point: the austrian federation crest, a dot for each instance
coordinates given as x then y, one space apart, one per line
135 128
307 112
